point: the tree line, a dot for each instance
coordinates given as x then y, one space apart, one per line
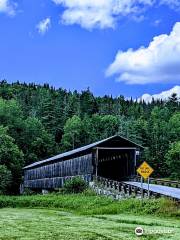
39 121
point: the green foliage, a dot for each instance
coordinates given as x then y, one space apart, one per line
11 157
41 121
93 205
173 160
75 185
72 133
29 192
174 127
89 192
5 179
37 142
11 116
103 126
88 104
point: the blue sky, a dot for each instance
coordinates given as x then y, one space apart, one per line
80 45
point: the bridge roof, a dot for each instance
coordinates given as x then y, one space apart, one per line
84 149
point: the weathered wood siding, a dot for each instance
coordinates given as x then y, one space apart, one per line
53 175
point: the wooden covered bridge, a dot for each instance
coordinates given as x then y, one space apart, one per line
113 158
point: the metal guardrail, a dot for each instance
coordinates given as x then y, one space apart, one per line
163 182
128 188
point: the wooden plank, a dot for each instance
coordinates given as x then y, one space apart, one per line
46 176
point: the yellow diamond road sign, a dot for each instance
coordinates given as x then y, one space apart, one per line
145 170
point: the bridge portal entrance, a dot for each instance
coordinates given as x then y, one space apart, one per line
115 163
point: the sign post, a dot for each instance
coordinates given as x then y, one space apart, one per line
145 171
142 188
148 188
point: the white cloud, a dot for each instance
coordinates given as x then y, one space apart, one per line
159 62
105 13
7 7
163 95
100 13
157 22
174 4
44 25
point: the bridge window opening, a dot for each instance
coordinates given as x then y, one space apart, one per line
116 164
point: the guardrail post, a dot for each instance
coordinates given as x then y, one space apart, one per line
124 188
129 189
120 187
135 191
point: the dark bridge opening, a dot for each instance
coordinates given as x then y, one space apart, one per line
116 164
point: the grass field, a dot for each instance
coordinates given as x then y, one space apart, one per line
80 217
93 205
46 224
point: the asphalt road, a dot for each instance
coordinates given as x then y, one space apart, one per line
164 190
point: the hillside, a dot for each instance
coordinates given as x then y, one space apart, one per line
37 122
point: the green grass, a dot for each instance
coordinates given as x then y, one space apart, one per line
93 205
46 224
86 217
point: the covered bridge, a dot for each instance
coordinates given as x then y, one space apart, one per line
114 158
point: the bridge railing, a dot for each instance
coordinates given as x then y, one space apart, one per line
119 186
128 188
158 181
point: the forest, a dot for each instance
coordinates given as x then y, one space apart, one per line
39 121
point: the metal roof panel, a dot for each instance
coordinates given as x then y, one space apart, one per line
78 150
